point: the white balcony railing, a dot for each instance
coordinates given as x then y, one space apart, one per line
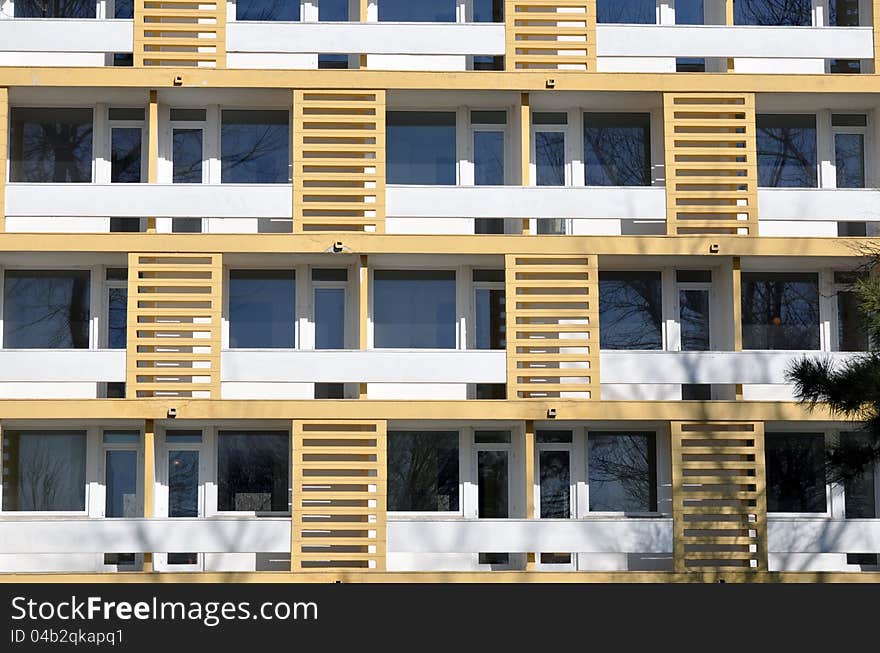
366 38
62 365
66 35
814 204
745 41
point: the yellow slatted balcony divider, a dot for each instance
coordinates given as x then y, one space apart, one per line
173 346
552 309
339 160
4 129
711 163
550 35
180 33
719 496
339 495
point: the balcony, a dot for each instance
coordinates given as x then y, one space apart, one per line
819 204
635 42
62 41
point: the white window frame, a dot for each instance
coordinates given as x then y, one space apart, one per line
314 286
138 448
867 142
699 286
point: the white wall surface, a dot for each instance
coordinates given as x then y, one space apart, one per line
66 35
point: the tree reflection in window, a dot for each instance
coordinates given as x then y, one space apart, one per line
555 484
255 147
773 12
786 150
617 149
282 10
253 471
44 471
423 471
795 472
55 9
421 11
630 310
51 145
622 472
780 310
626 11
46 309
183 483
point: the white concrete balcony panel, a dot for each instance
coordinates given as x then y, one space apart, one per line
25 200
745 41
819 204
703 367
215 535
593 202
371 366
814 535
636 535
69 35
62 365
366 38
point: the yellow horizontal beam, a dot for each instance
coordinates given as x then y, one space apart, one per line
451 577
520 80
532 409
369 243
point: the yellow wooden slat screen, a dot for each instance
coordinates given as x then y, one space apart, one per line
719 496
180 33
4 129
173 332
550 34
711 163
339 161
339 495
552 313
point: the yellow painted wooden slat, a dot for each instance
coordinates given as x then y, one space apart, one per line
539 35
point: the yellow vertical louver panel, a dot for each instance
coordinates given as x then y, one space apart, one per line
339 161
4 129
719 496
339 495
550 34
552 327
173 331
711 163
180 33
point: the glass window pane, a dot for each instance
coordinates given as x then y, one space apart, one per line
253 471
419 11
488 11
46 309
780 310
329 318
187 156
482 117
489 158
414 309
849 157
333 10
630 310
786 150
626 11
183 437
492 484
689 12
183 483
285 10
622 472
50 145
262 309
44 471
255 147
552 437
860 491
550 158
555 469
795 472
843 13
189 115
617 149
121 484
133 113
492 437
122 437
772 12
490 318
117 317
851 333
421 147
423 471
125 155
694 316
330 274
55 8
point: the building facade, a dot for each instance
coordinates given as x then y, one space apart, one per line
447 289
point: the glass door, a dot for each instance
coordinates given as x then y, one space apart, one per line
188 157
493 452
556 496
551 159
120 470
183 469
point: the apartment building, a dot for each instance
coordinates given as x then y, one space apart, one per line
364 289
